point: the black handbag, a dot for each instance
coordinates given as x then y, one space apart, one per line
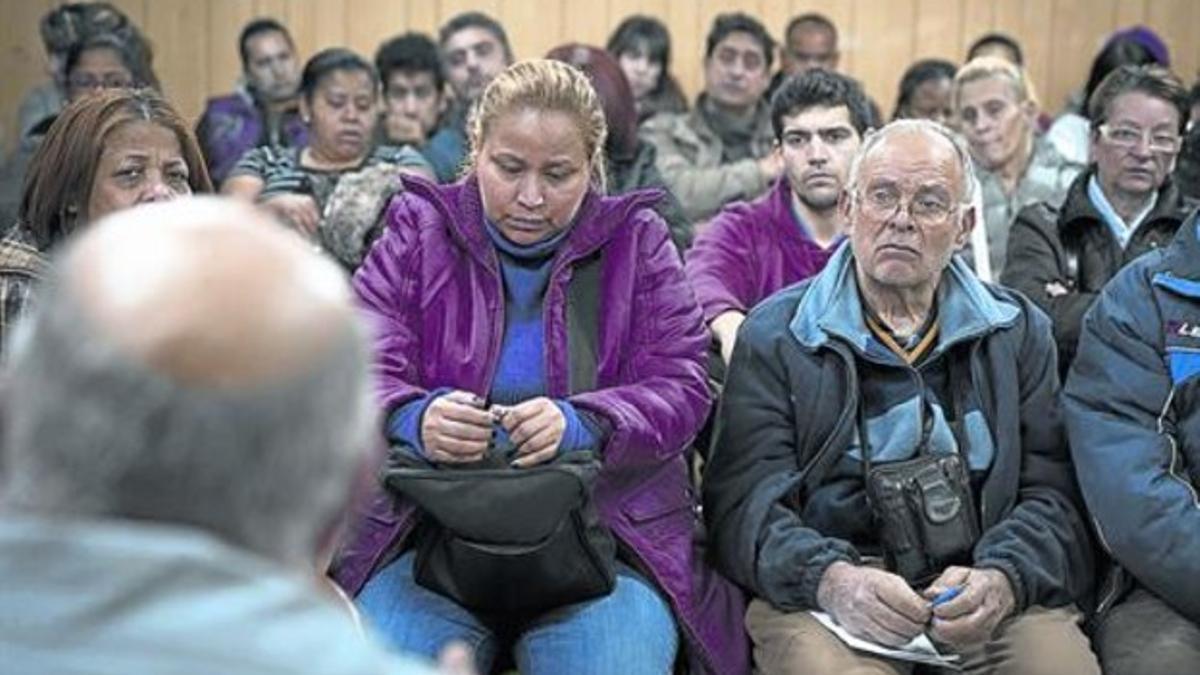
508 540
924 507
499 539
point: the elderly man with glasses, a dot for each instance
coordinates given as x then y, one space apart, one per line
1124 205
889 448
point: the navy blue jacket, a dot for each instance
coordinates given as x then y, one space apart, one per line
1133 416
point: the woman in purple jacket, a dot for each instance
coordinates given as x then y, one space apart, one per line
468 288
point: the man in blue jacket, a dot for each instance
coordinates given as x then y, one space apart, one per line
893 358
1134 423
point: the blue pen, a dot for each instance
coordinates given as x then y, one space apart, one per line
947 595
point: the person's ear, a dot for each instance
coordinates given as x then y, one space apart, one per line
844 207
305 110
966 225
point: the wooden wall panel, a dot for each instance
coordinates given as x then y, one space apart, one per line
978 17
880 62
534 26
687 43
195 40
937 30
587 22
1176 21
224 62
1130 12
1080 28
370 22
24 62
173 22
1028 19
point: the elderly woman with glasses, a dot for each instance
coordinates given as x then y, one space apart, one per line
1124 205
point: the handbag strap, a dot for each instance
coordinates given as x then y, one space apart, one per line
583 323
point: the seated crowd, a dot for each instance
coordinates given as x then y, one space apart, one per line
483 364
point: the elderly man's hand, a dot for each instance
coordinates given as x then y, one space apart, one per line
873 604
970 618
456 428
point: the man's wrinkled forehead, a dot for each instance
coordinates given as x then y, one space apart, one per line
913 158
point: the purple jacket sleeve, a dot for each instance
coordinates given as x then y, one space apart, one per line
719 265
664 397
387 288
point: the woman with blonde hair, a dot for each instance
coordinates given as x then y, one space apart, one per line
525 318
996 109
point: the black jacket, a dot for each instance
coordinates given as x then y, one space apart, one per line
1044 237
788 412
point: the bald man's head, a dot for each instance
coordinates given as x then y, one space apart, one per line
208 292
191 363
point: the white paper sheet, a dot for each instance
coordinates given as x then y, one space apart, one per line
920 650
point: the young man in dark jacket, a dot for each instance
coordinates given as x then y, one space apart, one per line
1124 205
264 110
752 249
895 353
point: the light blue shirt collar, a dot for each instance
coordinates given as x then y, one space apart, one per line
1120 229
967 308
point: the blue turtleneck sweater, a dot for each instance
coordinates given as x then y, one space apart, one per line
521 369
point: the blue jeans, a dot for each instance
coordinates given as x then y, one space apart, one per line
630 630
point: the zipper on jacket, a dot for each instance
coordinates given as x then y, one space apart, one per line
972 358
497 327
1112 584
846 417
1173 469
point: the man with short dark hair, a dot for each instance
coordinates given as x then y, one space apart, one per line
889 451
171 481
998 45
264 109
410 69
1124 205
721 150
750 250
810 41
475 50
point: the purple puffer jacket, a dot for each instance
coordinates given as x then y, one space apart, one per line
232 124
432 286
750 250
